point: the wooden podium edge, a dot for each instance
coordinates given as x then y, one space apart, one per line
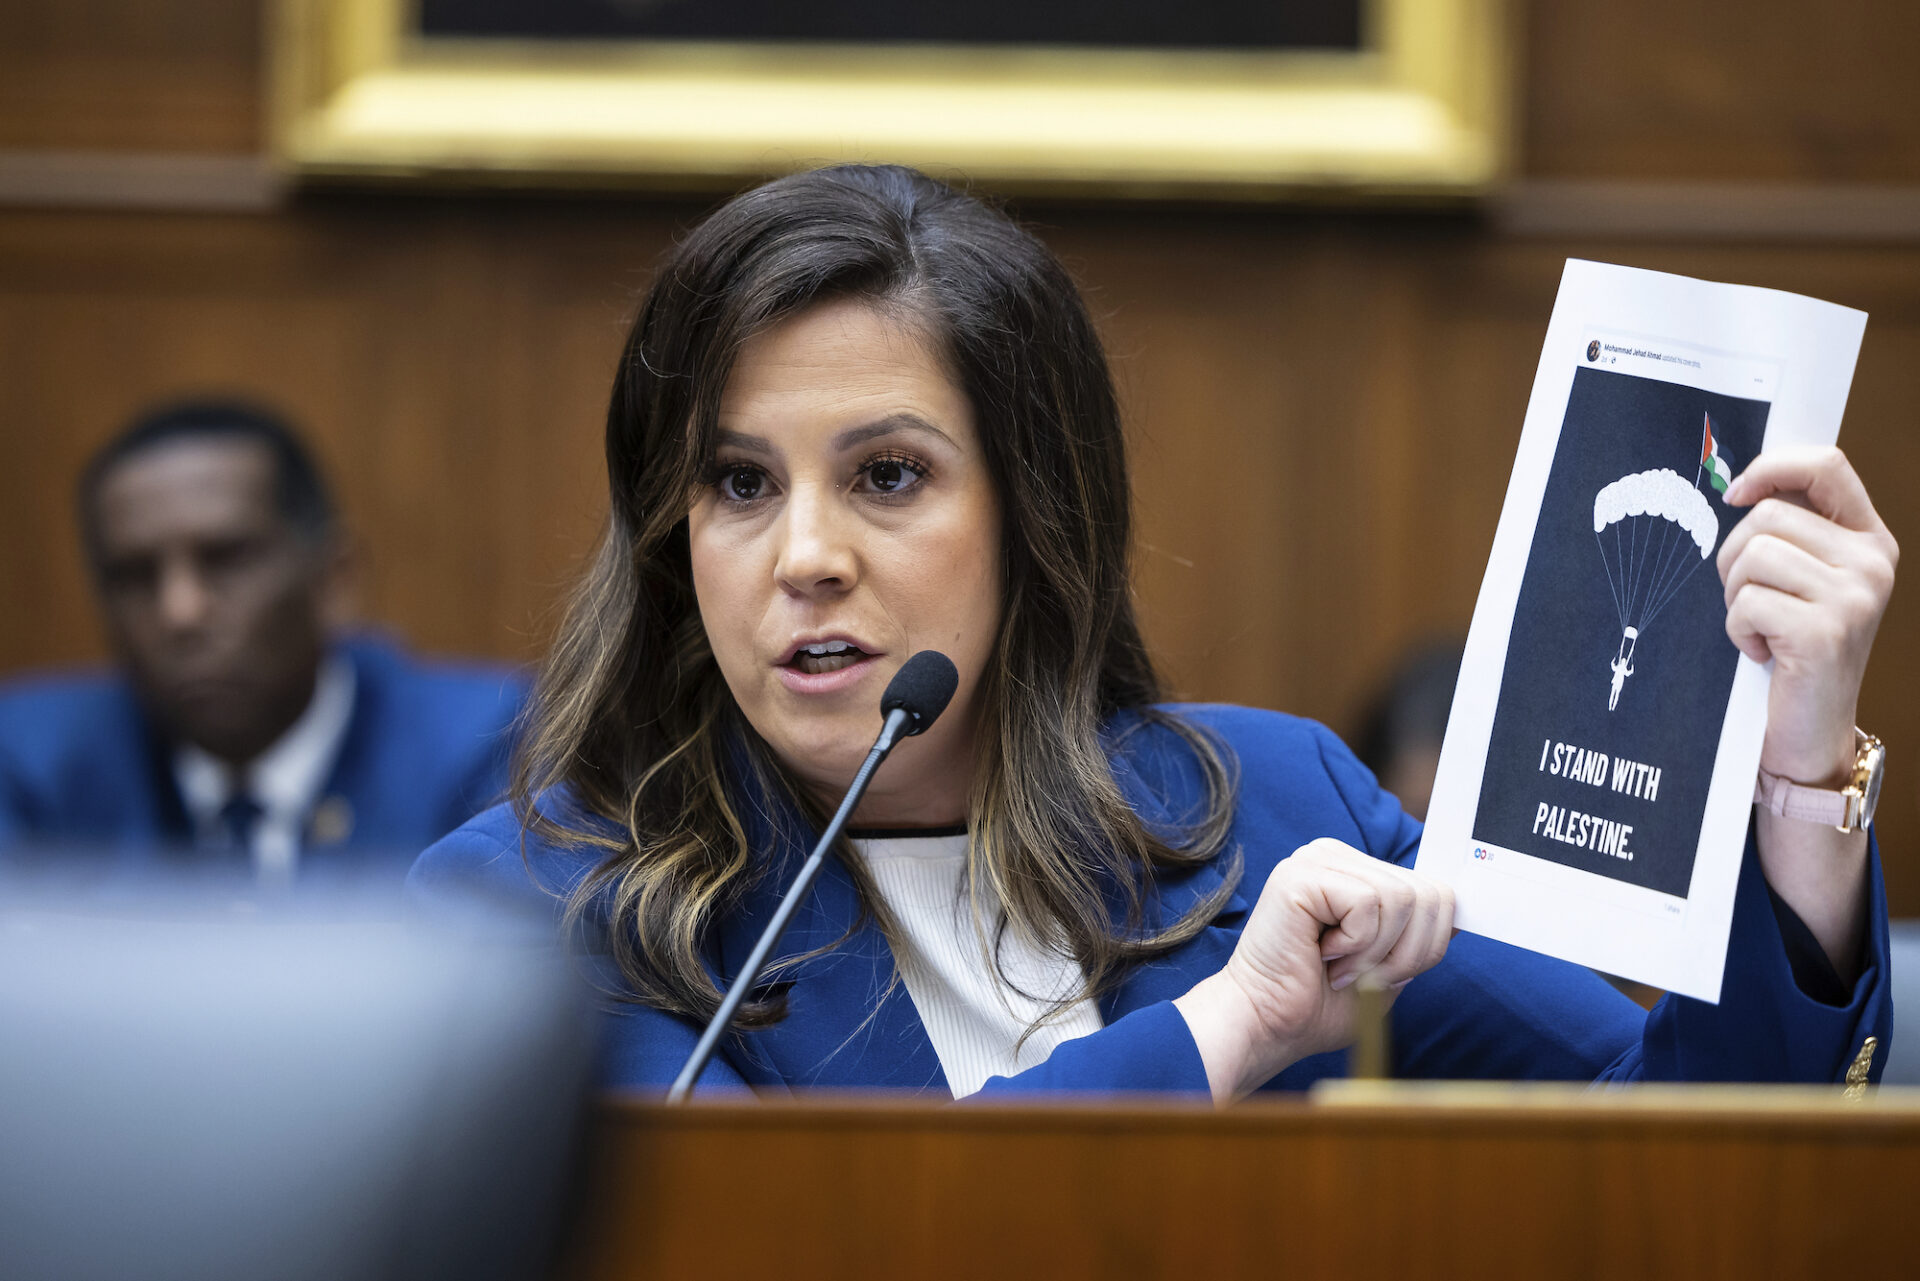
1442 1180
1439 1105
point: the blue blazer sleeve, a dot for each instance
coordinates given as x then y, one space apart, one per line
1149 1050
1493 1011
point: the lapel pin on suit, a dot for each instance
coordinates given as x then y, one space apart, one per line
332 821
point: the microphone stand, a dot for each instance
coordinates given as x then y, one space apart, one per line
899 719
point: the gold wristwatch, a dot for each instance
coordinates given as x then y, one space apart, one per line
1848 808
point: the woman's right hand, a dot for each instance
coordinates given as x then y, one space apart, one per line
1327 916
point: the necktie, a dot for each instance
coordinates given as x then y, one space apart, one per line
238 819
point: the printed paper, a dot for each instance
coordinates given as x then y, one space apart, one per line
1596 783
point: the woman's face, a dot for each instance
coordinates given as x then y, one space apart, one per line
849 522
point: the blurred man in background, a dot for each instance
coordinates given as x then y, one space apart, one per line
242 731
1404 725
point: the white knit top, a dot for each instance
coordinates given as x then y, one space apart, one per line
973 1019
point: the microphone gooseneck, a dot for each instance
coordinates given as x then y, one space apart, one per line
913 700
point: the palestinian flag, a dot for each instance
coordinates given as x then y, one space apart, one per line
1711 462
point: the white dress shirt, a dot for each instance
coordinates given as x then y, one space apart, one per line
973 1018
285 780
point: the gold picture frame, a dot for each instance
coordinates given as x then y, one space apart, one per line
1421 111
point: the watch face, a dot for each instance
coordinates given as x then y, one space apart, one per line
1876 770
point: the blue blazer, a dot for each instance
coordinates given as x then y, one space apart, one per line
84 772
1486 1011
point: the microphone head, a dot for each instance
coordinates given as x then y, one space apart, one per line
922 688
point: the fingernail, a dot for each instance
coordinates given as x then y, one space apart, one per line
1345 980
1331 956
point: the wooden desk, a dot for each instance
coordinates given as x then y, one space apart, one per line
1404 1181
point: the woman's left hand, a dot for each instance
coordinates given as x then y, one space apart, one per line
1808 572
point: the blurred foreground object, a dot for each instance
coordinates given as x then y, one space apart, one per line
190 1091
1903 1055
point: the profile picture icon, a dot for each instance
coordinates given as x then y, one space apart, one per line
1593 350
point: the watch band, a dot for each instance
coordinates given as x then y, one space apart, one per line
1847 808
1809 804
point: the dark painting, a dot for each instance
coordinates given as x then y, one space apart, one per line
1246 25
1619 663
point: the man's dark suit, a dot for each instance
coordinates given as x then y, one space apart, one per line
83 769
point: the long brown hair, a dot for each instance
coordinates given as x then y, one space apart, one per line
635 748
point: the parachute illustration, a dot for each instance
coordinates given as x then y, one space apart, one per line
1654 530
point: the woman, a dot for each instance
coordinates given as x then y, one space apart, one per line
860 415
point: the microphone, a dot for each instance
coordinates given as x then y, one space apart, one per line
913 700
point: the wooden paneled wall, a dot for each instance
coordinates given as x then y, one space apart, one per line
1325 404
